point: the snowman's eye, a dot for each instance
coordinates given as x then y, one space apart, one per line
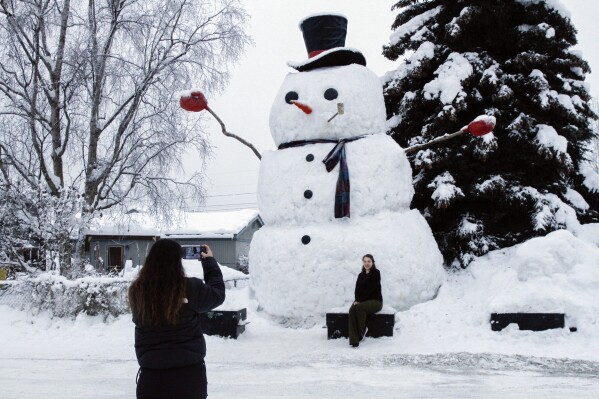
331 94
291 96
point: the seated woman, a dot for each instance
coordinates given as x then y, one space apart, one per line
368 299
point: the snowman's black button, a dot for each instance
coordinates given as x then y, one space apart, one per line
308 194
309 157
305 240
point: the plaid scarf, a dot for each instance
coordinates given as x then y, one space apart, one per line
334 157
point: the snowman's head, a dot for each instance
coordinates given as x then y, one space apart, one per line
307 100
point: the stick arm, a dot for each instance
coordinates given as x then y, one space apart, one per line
236 137
415 148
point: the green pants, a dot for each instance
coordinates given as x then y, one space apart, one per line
357 318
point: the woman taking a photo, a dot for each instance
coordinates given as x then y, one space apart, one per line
166 307
368 299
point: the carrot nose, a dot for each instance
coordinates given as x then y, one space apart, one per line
304 107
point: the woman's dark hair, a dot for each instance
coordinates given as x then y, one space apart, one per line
372 259
157 294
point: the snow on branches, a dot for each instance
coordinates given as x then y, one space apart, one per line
445 192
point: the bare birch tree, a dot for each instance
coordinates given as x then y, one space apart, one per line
88 114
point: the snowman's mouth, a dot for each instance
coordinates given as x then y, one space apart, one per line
340 111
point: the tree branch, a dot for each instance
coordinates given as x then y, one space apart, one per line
229 134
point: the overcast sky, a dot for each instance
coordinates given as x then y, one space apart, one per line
245 105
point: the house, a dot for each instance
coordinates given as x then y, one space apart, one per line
111 242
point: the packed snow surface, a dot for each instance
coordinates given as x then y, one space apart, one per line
379 172
362 102
302 282
296 257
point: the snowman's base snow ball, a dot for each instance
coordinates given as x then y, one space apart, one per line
300 282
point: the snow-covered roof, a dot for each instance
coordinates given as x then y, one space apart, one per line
224 224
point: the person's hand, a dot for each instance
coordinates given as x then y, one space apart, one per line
208 253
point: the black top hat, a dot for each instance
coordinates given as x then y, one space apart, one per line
324 35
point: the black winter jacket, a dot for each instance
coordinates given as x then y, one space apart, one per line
182 344
368 286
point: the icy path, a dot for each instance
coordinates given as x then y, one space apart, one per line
401 378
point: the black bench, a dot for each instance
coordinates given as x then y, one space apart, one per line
378 325
528 321
225 323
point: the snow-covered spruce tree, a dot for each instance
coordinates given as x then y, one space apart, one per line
511 59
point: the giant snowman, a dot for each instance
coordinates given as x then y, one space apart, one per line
337 188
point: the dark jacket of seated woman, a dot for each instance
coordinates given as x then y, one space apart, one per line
368 286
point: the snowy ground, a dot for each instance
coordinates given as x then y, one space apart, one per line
85 358
441 348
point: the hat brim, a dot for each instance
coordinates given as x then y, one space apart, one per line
339 56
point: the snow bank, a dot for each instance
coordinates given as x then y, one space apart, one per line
60 297
448 335
556 273
553 274
94 296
